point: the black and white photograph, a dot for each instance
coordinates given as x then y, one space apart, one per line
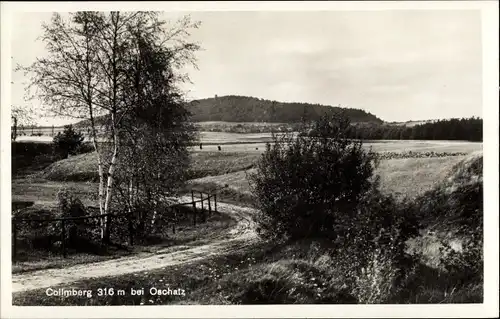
242 154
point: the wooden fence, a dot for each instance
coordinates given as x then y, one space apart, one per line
199 215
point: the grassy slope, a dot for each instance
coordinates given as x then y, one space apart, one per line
84 168
43 193
413 176
406 177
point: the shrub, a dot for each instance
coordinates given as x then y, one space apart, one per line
308 186
374 246
376 282
31 156
84 148
68 142
69 205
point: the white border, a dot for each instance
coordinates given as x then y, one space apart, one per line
490 114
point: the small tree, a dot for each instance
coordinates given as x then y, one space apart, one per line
20 115
309 185
67 142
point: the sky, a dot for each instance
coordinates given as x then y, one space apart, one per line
399 65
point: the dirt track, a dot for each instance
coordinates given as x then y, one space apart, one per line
242 235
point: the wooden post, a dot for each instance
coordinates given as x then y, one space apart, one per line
192 195
209 206
130 230
14 238
194 213
175 219
108 233
202 211
215 202
63 238
201 197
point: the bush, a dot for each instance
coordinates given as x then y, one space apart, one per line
84 148
308 186
373 242
69 205
68 142
31 156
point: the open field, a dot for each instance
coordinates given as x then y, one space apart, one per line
43 193
233 142
407 177
240 142
228 166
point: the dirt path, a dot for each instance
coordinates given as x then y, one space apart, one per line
241 235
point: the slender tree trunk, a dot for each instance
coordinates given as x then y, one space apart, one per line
14 133
100 171
153 220
112 165
130 193
110 184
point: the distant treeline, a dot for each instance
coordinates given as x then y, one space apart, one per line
466 129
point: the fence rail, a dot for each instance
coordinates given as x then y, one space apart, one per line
173 209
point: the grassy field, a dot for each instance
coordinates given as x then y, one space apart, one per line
43 192
403 177
233 142
249 141
218 163
216 169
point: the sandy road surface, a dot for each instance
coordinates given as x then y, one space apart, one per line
241 235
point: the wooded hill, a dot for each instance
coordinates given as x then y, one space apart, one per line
234 108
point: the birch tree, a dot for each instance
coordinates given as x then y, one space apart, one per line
87 75
157 131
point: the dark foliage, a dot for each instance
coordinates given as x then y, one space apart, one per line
68 142
155 135
85 147
31 156
310 186
465 129
234 108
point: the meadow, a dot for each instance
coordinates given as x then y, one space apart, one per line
227 168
